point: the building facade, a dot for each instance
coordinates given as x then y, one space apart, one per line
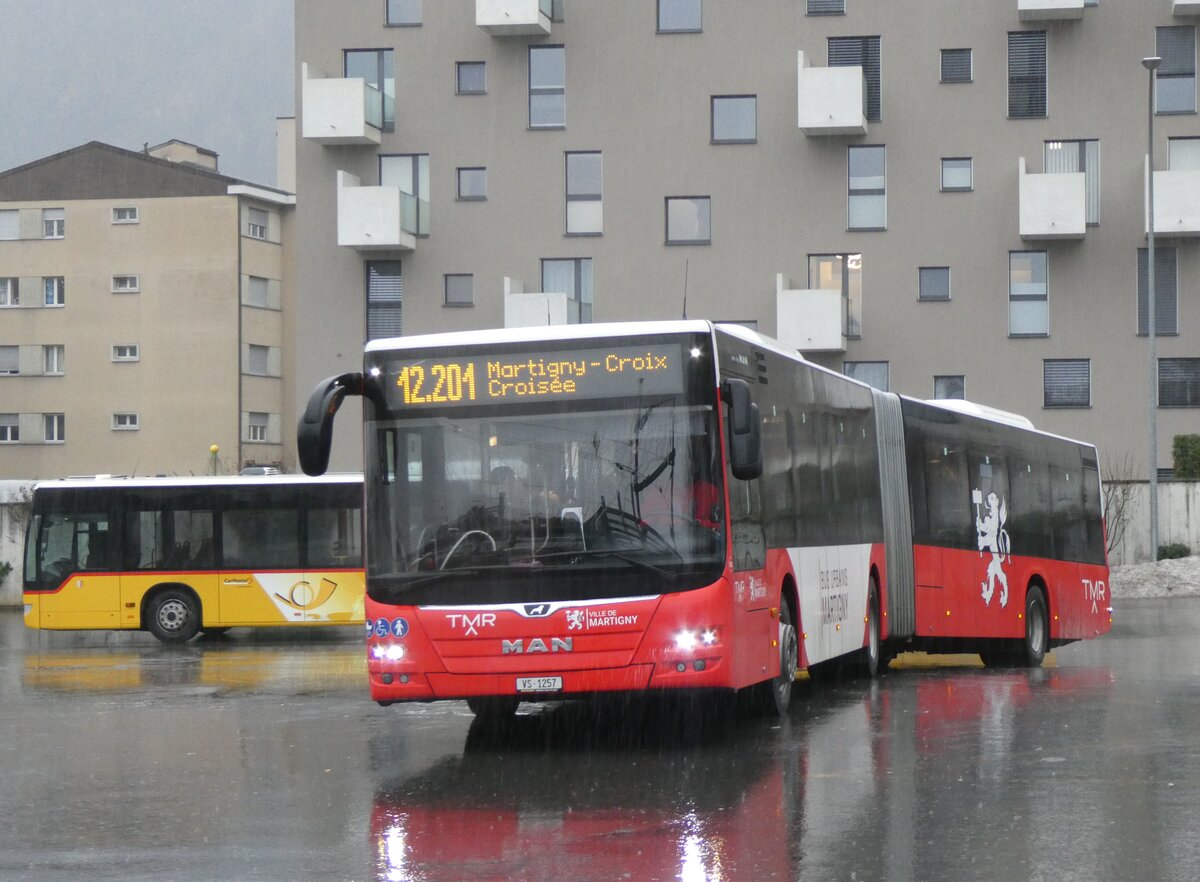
142 315
944 199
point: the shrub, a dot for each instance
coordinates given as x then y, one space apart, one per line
5 569
1174 550
1185 451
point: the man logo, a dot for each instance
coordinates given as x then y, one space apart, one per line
537 644
537 610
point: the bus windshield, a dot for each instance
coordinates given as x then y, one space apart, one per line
520 505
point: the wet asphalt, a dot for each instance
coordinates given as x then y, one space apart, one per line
258 756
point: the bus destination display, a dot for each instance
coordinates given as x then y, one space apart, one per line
611 372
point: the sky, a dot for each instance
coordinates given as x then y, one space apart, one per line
215 73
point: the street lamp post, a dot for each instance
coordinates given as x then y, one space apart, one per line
1151 64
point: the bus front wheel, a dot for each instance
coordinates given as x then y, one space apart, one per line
775 695
173 616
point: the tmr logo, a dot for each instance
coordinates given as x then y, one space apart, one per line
470 624
1095 592
537 644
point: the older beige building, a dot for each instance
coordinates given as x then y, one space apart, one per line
942 198
143 315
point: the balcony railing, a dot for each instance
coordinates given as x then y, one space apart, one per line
527 309
1049 10
830 99
1052 206
378 218
340 110
810 320
508 18
1176 203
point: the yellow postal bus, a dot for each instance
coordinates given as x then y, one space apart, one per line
176 556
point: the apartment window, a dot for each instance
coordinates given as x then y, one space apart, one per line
873 373
385 299
950 386
125 422
125 284
10 360
1026 74
572 277
1028 294
840 272
258 359
460 289
54 359
1166 292
861 52
472 184
257 223
257 425
1066 382
125 352
689 220
258 292
1179 382
585 194
54 428
1175 91
10 224
375 67
1066 157
10 292
125 214
958 174
403 13
826 7
54 223
1183 154
409 172
957 66
679 16
10 428
557 9
547 87
470 77
734 119
867 201
933 283
55 290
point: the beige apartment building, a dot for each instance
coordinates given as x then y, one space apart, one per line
945 198
143 315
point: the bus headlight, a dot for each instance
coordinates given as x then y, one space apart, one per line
391 652
688 639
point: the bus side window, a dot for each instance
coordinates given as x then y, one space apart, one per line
951 519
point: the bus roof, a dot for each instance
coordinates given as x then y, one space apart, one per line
110 481
542 333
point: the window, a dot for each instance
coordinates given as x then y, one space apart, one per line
257 425
10 360
125 352
1166 292
957 66
472 184
125 284
1066 382
257 223
1028 294
258 292
1179 382
385 299
10 428
55 289
826 7
734 119
54 223
547 87
10 224
861 52
1175 91
125 422
557 9
1065 157
460 289
1183 154
258 359
689 220
470 78
958 174
1026 74
409 172
840 272
873 373
54 359
125 214
10 292
867 203
403 13
54 428
585 197
950 386
933 283
679 16
375 67
572 277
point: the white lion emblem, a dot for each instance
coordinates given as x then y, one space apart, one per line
993 538
575 619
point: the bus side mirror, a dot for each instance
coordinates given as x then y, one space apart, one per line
314 434
745 431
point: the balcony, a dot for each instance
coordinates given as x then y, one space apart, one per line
810 320
340 110
1186 7
513 18
1176 203
528 309
1049 10
830 99
378 218
1053 206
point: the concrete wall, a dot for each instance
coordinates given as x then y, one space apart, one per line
1178 517
14 511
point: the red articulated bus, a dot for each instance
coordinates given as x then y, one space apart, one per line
581 509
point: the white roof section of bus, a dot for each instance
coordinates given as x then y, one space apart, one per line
540 334
183 483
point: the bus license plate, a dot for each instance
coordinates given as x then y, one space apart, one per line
539 684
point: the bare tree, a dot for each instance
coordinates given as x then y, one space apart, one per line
1119 483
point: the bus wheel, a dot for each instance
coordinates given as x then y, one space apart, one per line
493 707
872 653
173 616
775 695
1037 629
